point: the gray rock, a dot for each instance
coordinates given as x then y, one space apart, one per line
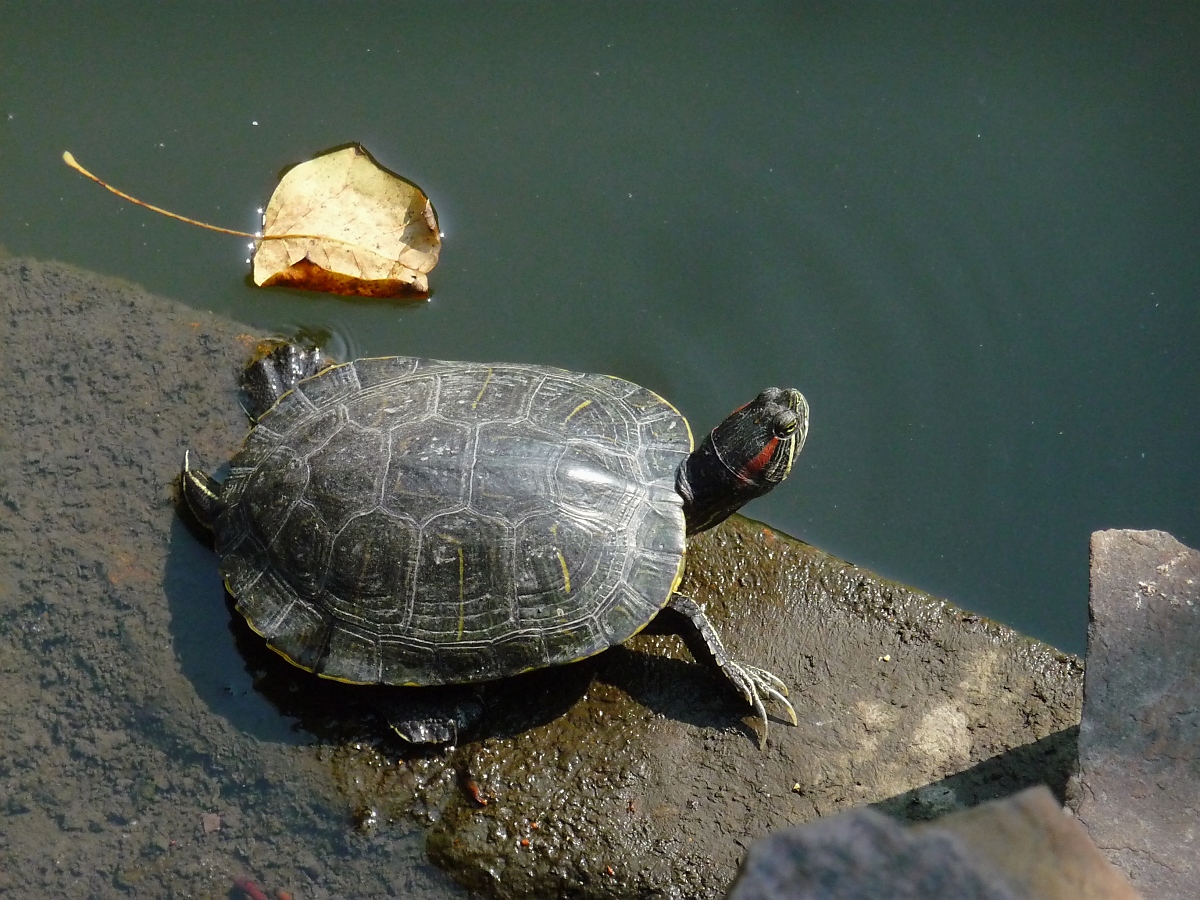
1139 742
1040 851
1023 847
864 855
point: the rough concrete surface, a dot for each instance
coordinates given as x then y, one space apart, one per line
152 745
1139 742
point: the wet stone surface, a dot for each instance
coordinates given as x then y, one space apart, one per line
655 783
136 758
138 707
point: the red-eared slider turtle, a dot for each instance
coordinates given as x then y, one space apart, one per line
416 522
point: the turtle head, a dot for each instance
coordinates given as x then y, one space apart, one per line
742 458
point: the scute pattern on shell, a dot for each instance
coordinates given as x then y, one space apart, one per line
412 521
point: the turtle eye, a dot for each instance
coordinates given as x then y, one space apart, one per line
785 423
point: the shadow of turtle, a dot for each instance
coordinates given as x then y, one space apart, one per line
259 692
676 687
384 714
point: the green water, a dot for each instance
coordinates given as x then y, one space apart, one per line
968 232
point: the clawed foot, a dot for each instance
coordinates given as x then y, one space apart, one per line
753 683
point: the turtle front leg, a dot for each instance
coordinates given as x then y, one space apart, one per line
280 368
684 616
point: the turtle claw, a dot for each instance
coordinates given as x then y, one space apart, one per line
772 686
753 683
770 678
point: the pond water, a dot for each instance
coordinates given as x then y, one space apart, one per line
968 232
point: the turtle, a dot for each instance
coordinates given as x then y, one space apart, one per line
409 521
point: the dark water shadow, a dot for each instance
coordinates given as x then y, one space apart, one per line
1050 761
201 623
260 693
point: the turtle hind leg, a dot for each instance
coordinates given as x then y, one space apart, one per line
684 616
201 492
434 715
276 369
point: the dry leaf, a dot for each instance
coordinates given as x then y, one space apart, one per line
339 223
355 228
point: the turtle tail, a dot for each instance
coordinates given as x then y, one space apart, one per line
202 493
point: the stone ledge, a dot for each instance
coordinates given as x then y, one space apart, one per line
133 697
1139 744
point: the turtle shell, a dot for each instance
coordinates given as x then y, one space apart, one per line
413 521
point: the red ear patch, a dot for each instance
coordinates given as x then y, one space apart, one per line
751 470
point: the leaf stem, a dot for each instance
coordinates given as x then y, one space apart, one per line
69 159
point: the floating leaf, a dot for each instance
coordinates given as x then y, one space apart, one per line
354 228
359 229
